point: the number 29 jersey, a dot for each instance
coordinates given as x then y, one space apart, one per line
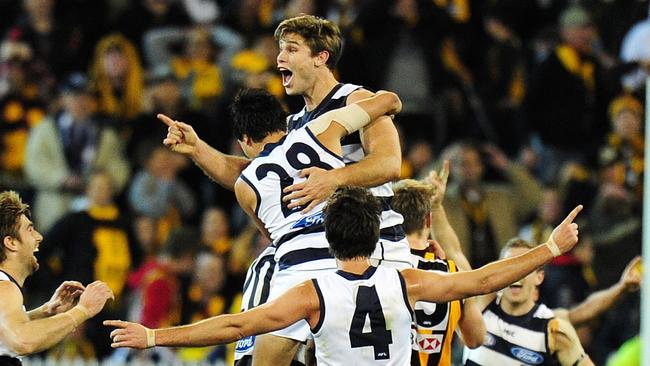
299 239
364 319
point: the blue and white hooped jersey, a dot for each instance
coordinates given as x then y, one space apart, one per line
513 340
298 238
353 152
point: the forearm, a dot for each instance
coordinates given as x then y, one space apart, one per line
38 313
446 236
37 335
373 170
596 304
223 169
216 330
497 275
471 324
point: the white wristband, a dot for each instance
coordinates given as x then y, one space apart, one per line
151 337
552 246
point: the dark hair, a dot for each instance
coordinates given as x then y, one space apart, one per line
256 113
11 209
352 223
319 34
412 199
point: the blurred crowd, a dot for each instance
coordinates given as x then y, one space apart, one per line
538 104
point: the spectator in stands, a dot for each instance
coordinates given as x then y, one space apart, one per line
66 147
485 214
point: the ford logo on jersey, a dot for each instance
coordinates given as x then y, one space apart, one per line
245 344
310 220
526 355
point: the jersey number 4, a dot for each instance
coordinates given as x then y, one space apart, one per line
369 307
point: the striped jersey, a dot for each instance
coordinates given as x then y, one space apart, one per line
256 292
299 239
5 350
391 221
513 340
433 330
364 319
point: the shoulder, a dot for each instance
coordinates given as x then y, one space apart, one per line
11 296
359 94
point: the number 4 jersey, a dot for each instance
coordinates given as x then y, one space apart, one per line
364 319
299 239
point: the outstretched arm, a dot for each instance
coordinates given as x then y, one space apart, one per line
381 164
443 287
601 301
300 302
222 168
25 336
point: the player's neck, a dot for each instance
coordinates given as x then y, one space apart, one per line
13 269
518 309
356 266
418 240
323 85
271 138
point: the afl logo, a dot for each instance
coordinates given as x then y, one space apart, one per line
527 356
245 344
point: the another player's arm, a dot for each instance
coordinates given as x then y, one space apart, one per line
62 300
440 226
471 326
601 301
25 336
222 168
300 302
443 287
565 345
247 199
381 164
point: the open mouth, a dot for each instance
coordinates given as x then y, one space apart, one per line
287 75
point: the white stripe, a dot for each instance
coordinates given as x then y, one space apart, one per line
345 90
527 338
486 356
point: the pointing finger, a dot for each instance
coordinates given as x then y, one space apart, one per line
166 120
572 215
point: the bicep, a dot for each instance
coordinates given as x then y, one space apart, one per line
428 286
380 134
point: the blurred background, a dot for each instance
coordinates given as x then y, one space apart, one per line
541 100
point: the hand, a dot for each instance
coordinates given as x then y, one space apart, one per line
181 137
437 249
95 296
497 158
320 184
565 235
64 298
439 182
631 277
127 334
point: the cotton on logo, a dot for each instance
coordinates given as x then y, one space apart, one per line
430 343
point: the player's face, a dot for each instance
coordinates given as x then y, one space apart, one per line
523 290
296 64
30 240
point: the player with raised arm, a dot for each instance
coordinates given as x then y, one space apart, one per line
337 304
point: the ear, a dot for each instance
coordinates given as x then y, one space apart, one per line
427 220
321 58
9 242
247 140
539 277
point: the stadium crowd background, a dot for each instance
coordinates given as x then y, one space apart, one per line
537 103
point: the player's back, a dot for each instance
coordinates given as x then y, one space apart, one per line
365 319
298 238
434 323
